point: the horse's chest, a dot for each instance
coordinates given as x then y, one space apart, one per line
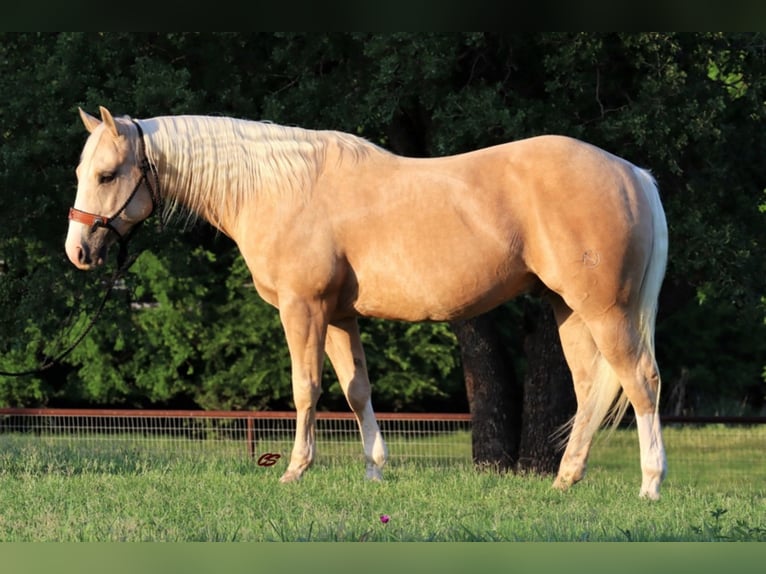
266 291
305 272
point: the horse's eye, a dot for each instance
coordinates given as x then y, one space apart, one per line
106 177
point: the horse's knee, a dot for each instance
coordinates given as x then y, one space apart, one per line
306 394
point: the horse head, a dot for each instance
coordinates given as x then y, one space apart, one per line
114 194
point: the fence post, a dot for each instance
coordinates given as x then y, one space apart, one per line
250 438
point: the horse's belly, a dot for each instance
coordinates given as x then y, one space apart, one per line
452 293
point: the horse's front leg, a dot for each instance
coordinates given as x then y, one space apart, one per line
305 326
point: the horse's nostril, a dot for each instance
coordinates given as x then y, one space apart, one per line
78 255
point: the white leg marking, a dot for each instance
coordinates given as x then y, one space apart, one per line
653 463
375 450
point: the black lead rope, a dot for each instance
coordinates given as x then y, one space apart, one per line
49 362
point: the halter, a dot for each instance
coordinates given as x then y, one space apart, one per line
95 221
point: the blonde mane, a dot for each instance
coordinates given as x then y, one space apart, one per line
210 166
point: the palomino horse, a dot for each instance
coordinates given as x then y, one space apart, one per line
333 227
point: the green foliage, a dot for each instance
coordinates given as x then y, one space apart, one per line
690 106
731 383
245 360
412 365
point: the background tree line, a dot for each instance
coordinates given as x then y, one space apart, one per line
185 328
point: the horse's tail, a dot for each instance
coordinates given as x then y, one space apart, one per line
606 403
655 269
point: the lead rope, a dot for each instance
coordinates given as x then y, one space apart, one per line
48 362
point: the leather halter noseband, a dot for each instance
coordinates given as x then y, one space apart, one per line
94 221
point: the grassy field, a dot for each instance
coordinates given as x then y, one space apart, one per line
716 491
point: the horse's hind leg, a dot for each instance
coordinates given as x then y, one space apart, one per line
344 349
619 340
580 353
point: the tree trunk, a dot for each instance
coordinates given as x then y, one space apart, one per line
549 399
494 395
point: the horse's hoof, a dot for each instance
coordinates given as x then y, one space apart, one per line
290 476
649 494
374 474
562 484
650 483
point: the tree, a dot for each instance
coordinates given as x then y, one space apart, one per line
495 397
548 397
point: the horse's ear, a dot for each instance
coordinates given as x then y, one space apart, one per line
106 117
89 121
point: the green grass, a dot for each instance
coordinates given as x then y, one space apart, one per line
711 457
118 493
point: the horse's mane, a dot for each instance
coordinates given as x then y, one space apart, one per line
211 165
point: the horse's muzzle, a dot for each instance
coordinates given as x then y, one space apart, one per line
84 258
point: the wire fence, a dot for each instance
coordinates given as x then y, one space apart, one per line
702 449
437 438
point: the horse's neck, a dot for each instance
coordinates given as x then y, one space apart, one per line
204 165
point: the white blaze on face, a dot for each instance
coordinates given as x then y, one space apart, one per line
73 243
76 244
